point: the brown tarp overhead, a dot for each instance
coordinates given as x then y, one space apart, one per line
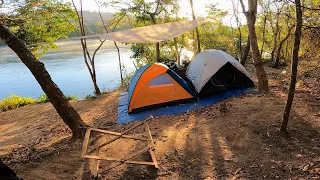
150 34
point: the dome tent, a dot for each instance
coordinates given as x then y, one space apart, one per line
156 85
213 71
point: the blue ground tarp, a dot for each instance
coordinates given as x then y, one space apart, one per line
124 117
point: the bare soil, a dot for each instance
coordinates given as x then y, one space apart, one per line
242 142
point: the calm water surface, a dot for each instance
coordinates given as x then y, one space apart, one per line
67 69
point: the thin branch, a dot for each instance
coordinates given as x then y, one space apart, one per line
243 7
101 18
155 11
311 27
76 12
83 41
114 27
95 51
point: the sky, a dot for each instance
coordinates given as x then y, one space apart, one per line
199 8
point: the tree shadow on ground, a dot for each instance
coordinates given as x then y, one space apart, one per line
242 143
257 147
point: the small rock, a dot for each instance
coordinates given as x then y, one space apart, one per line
299 155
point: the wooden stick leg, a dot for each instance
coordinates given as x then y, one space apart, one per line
96 163
153 157
151 144
85 143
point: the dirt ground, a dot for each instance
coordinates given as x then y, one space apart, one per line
241 143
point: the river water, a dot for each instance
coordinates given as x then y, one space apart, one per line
67 69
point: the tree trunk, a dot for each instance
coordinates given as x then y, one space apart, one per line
86 54
197 31
119 59
158 52
177 51
57 98
275 36
294 67
90 69
251 20
263 33
96 87
157 44
240 41
245 52
239 46
276 64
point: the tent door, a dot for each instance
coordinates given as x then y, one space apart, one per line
161 90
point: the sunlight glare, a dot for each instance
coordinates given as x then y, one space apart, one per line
199 8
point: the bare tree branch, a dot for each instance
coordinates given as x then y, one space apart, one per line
95 51
243 7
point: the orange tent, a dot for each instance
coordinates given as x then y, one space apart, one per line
156 85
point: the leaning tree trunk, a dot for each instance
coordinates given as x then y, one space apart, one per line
294 67
197 30
262 75
245 52
57 98
277 62
251 20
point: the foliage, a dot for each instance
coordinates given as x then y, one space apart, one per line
126 79
39 24
71 98
90 96
144 13
309 67
43 99
14 102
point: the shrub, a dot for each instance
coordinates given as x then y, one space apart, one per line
14 102
70 98
89 96
126 79
43 99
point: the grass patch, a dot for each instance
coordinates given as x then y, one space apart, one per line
44 98
14 102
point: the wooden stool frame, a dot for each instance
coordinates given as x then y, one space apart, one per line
97 158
